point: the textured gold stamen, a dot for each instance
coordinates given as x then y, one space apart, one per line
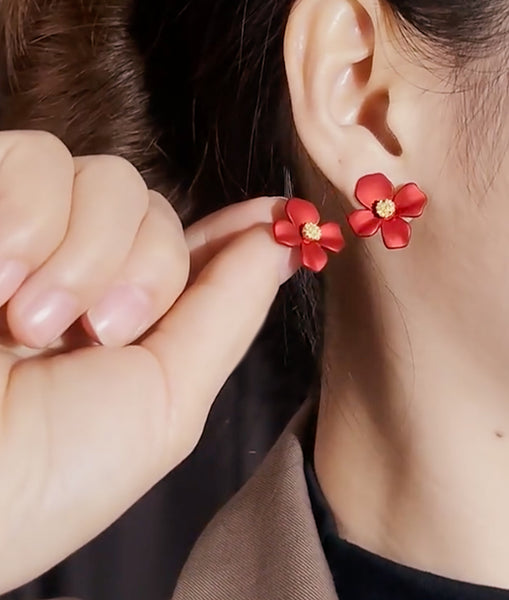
385 209
311 232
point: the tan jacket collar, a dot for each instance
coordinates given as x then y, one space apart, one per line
264 544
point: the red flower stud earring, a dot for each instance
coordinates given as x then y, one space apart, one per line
386 209
303 229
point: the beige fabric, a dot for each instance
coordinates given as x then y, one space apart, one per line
264 544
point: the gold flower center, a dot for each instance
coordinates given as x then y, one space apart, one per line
385 209
311 232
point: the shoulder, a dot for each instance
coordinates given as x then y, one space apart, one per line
264 543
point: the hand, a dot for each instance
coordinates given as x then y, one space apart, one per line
86 430
82 236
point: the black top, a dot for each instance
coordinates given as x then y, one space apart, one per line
361 575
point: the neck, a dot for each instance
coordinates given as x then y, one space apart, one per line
412 447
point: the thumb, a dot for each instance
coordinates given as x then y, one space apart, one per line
205 335
211 234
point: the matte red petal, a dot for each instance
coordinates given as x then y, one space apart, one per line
314 256
301 211
396 233
364 223
372 188
287 234
410 201
332 238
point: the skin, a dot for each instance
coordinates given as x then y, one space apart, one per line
88 428
412 446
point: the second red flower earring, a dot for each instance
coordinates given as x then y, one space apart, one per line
386 209
303 229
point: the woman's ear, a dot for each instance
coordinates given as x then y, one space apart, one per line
341 89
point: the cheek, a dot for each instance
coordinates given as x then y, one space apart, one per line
462 256
436 145
466 175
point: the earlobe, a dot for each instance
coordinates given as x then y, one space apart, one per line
339 89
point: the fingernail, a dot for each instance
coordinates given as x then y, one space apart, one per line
12 275
48 316
121 316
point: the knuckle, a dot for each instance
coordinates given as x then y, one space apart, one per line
117 165
124 175
121 169
176 258
181 266
46 146
170 230
168 256
159 203
184 429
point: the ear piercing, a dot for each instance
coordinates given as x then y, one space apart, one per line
386 209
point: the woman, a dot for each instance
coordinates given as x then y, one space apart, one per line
398 489
409 446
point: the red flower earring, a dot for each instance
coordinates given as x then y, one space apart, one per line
386 209
303 229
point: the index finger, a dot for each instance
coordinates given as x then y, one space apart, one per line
206 334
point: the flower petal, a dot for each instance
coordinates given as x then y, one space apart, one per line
396 233
332 239
314 256
364 223
287 234
410 201
372 188
301 211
